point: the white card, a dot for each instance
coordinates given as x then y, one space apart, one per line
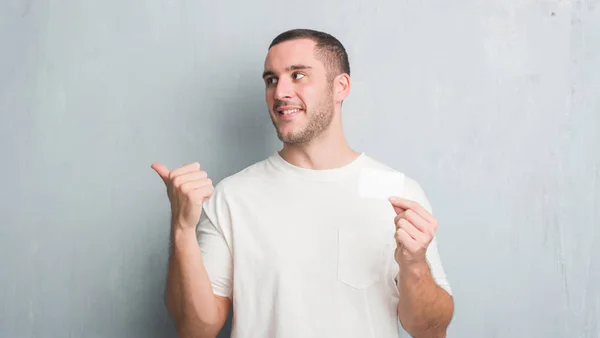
380 184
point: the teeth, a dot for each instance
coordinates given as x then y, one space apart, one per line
291 111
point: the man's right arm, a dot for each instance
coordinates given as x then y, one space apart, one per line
189 296
190 300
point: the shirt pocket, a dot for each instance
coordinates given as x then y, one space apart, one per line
361 256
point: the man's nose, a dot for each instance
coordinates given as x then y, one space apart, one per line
284 89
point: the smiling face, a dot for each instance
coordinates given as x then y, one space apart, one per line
299 93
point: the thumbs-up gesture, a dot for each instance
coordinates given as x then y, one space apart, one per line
187 187
415 229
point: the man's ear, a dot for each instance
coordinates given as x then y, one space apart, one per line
341 87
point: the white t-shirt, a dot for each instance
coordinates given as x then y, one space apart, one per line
302 255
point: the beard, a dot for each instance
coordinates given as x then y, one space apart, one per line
319 119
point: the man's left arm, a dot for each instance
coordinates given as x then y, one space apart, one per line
424 308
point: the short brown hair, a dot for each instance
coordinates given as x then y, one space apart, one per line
328 49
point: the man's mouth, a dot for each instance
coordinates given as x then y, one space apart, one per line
288 111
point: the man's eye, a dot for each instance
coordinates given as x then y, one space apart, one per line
271 80
298 76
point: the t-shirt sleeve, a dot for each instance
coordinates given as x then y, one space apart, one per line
214 237
433 256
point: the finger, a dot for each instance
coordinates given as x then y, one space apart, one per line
202 193
195 184
397 205
410 229
188 177
162 171
398 218
417 221
398 210
191 167
403 203
404 239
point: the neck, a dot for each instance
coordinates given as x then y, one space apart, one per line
329 150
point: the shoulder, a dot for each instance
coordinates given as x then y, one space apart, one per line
412 187
217 207
246 177
239 182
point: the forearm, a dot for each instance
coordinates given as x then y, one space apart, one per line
424 309
188 293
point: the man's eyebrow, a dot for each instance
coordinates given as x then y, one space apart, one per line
297 67
268 73
290 68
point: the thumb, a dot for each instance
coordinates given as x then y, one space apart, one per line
162 171
397 208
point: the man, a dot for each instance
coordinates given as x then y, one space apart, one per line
288 240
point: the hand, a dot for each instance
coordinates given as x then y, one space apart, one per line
415 229
187 187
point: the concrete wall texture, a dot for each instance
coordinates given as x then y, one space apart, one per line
493 106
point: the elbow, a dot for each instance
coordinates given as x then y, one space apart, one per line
187 332
424 331
188 324
430 326
196 329
192 327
